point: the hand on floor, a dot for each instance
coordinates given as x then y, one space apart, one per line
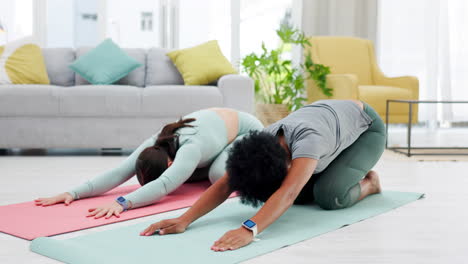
107 210
233 240
65 198
170 226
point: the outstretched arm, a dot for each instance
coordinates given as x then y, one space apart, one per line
102 183
210 199
112 178
299 174
186 161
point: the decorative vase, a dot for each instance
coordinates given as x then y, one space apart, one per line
270 113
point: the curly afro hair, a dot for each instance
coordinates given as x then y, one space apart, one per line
257 165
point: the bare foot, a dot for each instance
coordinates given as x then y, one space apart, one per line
374 180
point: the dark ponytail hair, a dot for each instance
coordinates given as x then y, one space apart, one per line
152 161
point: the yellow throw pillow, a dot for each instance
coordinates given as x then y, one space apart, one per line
202 64
21 62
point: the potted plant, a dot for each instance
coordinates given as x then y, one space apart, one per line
279 84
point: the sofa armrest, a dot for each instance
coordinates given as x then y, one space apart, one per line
345 86
407 82
238 92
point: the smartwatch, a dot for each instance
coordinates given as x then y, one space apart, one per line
123 202
251 225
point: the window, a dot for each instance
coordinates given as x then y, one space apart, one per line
16 20
259 20
147 21
203 20
72 23
134 25
240 26
428 40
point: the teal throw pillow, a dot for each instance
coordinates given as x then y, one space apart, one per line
105 64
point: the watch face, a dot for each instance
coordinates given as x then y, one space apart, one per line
249 223
121 199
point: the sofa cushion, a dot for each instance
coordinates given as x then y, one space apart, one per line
57 61
202 64
100 101
377 96
160 70
107 63
29 100
134 78
22 62
178 100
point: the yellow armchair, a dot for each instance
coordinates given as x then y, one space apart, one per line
355 75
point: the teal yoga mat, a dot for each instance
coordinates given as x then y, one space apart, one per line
124 245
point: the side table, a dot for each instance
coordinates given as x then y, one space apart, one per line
407 150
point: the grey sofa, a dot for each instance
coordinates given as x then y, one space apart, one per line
71 113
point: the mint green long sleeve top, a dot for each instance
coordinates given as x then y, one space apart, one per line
198 147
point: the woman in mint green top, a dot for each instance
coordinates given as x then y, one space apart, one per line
198 140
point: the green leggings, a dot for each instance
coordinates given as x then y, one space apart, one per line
338 186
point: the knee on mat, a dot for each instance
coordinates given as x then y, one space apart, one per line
215 174
330 200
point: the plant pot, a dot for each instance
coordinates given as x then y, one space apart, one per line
270 113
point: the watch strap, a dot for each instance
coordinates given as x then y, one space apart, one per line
254 231
123 202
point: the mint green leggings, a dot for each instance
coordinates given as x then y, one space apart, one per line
337 186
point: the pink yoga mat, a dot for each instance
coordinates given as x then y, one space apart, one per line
28 221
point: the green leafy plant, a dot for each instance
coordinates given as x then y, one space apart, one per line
277 80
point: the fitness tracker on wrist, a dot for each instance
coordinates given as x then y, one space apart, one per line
252 226
123 202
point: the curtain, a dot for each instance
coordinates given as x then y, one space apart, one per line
356 18
427 39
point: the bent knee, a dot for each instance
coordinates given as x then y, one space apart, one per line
330 203
215 173
335 199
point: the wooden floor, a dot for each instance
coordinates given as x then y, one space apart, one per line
431 230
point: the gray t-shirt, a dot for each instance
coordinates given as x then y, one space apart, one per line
322 130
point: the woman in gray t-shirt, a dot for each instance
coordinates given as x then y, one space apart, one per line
321 153
345 138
